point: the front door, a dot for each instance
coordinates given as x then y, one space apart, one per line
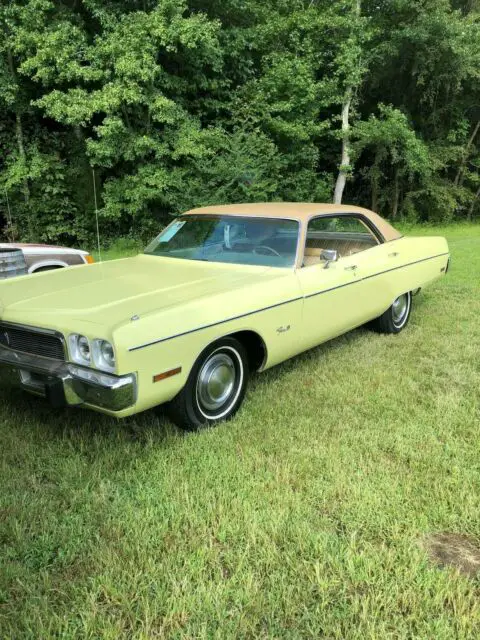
339 295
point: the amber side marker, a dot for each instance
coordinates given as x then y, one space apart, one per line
89 259
167 374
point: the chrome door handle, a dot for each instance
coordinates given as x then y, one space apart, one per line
393 255
351 268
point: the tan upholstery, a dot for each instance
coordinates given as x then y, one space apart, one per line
344 249
312 256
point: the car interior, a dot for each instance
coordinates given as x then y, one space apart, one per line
346 236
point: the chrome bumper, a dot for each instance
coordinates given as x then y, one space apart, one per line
68 384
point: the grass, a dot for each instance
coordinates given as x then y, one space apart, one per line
303 517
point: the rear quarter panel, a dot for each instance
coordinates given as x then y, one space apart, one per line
408 263
421 260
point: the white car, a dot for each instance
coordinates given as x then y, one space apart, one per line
44 257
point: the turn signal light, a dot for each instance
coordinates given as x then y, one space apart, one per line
89 259
167 374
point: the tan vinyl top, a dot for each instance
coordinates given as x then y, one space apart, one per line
301 211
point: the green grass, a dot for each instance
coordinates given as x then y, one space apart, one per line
300 518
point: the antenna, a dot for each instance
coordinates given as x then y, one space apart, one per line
9 215
96 216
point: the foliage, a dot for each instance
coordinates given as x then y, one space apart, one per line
177 103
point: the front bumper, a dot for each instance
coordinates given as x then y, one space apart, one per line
65 384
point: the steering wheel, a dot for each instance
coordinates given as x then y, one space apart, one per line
268 249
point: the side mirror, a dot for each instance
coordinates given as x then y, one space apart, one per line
329 255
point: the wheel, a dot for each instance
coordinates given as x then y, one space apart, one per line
395 317
215 387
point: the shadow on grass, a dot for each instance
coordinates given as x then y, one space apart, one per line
36 417
39 420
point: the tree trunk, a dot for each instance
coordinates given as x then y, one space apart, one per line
374 206
396 194
459 177
375 180
345 161
20 137
22 154
472 206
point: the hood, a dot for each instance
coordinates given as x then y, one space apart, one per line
110 293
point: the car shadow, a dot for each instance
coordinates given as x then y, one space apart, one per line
152 426
36 414
285 368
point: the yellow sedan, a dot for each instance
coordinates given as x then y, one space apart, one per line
221 292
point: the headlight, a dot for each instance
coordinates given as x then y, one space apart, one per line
103 355
80 349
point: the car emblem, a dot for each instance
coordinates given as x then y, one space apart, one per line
283 329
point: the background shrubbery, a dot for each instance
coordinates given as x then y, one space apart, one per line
177 103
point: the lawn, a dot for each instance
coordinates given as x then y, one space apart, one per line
303 517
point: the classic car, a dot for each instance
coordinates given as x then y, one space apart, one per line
45 257
220 293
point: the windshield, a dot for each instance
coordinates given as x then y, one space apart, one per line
256 241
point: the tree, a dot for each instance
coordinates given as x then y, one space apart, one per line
176 103
351 69
397 156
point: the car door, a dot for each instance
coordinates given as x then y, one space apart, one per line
342 294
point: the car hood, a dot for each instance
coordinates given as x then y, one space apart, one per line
111 293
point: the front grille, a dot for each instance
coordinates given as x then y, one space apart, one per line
34 342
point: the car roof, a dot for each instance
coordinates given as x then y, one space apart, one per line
301 211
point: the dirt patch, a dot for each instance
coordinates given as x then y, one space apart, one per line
454 550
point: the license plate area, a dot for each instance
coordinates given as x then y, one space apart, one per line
35 381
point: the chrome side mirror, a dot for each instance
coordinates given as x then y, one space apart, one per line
329 255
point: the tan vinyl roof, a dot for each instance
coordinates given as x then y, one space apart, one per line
301 211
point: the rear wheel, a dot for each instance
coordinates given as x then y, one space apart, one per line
215 387
395 317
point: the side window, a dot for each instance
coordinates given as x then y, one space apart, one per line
345 234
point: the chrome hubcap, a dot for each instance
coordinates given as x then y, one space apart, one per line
400 309
216 381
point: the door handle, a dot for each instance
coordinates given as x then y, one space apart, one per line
395 254
351 267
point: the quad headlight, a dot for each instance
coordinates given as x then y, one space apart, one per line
103 355
80 350
99 352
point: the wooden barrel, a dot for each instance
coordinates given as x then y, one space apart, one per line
12 263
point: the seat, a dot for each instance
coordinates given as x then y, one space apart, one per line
312 256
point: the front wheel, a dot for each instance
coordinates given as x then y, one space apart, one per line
215 387
395 317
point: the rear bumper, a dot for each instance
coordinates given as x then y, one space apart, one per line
65 384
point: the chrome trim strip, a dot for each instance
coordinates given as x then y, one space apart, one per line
310 295
214 324
374 275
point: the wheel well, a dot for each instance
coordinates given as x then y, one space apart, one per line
48 268
255 347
